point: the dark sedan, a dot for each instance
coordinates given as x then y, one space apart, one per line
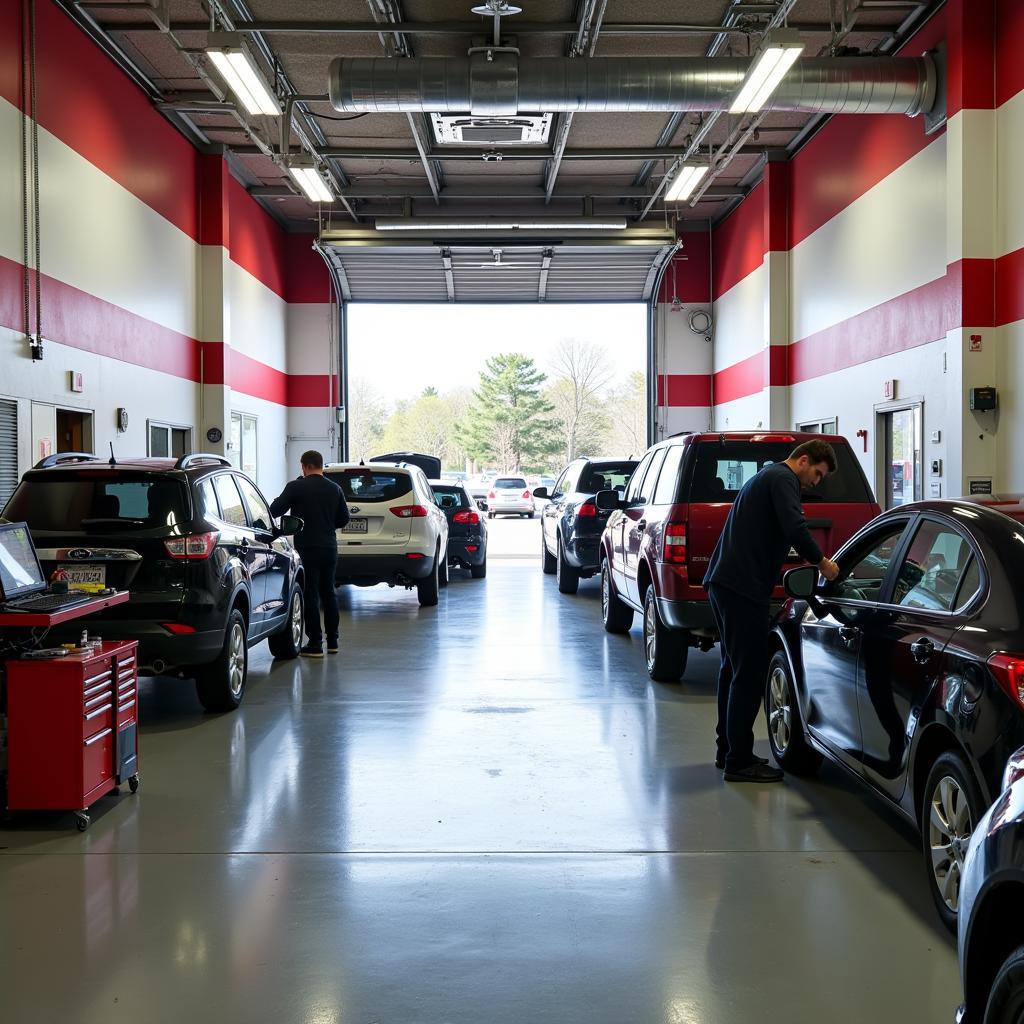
467 529
571 523
991 926
906 670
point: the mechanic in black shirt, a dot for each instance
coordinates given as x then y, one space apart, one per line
321 505
765 521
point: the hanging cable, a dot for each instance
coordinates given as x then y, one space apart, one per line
37 346
30 215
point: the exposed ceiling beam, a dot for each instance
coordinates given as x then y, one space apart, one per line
566 190
355 153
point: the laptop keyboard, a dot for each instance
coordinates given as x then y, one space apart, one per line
45 602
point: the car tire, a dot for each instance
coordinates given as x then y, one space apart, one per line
786 734
1006 997
287 641
618 617
531 515
478 572
568 577
490 515
426 590
442 571
665 650
220 685
950 808
547 561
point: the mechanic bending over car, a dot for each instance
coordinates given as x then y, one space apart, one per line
765 521
321 505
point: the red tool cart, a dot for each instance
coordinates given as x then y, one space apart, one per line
72 721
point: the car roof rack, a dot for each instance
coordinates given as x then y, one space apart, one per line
185 461
58 457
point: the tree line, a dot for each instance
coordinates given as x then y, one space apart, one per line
519 417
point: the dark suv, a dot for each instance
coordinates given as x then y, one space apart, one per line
209 569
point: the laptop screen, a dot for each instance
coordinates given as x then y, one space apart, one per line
20 573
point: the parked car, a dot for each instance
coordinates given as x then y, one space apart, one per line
571 523
211 572
661 534
467 529
479 487
991 919
509 495
397 533
908 670
430 464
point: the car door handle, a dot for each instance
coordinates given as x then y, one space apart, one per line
922 650
849 635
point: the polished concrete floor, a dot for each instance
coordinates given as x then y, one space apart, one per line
482 812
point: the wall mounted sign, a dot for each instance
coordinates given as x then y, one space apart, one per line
975 343
214 435
979 485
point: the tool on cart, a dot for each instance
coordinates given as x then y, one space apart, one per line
23 588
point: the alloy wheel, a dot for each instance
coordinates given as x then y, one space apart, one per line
296 620
650 633
606 595
236 660
779 713
949 833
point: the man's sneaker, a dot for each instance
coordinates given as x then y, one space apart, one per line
332 646
720 761
312 650
756 772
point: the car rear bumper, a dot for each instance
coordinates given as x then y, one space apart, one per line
459 555
511 507
367 570
584 553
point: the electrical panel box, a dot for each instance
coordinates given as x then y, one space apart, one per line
983 399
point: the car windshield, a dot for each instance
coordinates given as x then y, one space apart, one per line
365 484
507 483
106 499
606 476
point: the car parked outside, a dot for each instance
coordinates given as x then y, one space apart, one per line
479 487
659 539
571 523
908 670
210 570
467 528
397 533
510 495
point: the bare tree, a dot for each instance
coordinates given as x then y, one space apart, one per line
366 418
579 373
626 406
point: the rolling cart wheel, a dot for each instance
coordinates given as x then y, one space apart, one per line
133 783
82 820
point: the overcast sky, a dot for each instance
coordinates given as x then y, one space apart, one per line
403 349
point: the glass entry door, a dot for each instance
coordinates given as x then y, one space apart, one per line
904 472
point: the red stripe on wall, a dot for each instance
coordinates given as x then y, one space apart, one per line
313 391
306 276
970 41
744 378
689 274
684 389
1009 33
739 243
1009 288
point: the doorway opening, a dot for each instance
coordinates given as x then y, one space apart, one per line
902 469
73 431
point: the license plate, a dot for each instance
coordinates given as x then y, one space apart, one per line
86 577
355 526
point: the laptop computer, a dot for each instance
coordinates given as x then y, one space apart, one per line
23 588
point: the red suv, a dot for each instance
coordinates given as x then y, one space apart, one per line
662 531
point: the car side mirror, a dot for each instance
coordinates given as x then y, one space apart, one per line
608 501
540 492
801 583
288 526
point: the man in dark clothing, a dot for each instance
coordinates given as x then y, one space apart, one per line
765 521
321 505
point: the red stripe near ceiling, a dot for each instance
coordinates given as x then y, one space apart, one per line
1009 66
256 242
970 55
306 276
739 243
689 274
778 188
684 390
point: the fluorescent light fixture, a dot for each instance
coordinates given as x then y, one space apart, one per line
311 181
685 182
778 52
412 224
230 57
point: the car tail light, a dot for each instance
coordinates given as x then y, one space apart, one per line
1009 672
491 494
470 518
409 511
413 555
197 545
526 494
675 544
472 547
1014 771
178 628
588 510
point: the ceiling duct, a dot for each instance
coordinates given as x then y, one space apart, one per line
508 84
470 130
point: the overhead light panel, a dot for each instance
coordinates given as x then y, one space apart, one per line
311 181
413 224
685 182
777 54
243 77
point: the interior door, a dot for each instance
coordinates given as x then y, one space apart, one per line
904 471
240 539
636 522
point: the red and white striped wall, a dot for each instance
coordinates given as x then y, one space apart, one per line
173 293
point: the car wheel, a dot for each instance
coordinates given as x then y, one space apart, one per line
426 589
951 806
442 571
478 572
568 577
618 617
285 643
531 515
220 685
1006 997
490 515
547 561
785 726
665 650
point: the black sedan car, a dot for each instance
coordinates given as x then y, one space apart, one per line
467 528
905 671
991 927
571 523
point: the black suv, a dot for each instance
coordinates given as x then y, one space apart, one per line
209 569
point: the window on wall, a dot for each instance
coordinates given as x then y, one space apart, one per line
243 452
819 427
168 440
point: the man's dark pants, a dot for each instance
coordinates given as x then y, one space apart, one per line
319 564
743 626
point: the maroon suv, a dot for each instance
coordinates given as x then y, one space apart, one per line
660 536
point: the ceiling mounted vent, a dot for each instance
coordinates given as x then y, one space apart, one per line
466 130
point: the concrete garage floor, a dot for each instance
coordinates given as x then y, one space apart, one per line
482 812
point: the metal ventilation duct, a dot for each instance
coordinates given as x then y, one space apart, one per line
507 84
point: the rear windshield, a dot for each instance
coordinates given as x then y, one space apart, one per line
607 476
98 500
722 468
507 482
371 484
453 489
